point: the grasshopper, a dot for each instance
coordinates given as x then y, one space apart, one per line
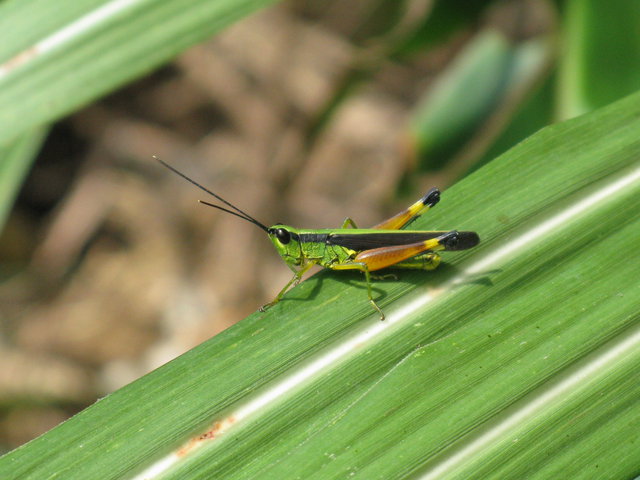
384 245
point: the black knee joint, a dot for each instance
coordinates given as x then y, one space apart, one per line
431 198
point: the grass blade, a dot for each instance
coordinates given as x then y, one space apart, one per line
59 57
15 160
532 335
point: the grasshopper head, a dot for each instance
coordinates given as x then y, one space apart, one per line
287 242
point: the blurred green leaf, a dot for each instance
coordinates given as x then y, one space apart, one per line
486 78
516 359
15 161
601 60
58 56
443 21
535 112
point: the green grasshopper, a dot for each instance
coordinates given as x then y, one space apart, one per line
351 248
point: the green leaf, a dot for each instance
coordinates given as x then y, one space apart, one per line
443 20
58 56
516 359
487 77
532 114
15 160
601 61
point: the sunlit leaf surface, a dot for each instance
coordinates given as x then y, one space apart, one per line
517 359
58 56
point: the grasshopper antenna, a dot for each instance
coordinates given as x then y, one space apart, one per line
240 213
248 219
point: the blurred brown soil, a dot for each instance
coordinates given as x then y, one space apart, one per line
111 268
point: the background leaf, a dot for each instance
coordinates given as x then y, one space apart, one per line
15 160
482 82
602 55
58 58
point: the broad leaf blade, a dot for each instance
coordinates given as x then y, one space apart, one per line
60 56
457 382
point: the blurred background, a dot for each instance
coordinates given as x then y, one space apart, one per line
303 113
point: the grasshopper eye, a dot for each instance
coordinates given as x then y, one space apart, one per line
283 236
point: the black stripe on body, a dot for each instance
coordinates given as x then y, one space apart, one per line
367 241
313 237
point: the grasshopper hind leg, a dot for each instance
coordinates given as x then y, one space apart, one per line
419 255
405 217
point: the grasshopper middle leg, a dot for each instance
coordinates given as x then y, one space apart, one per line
367 275
426 261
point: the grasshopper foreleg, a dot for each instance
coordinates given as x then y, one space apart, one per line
297 276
